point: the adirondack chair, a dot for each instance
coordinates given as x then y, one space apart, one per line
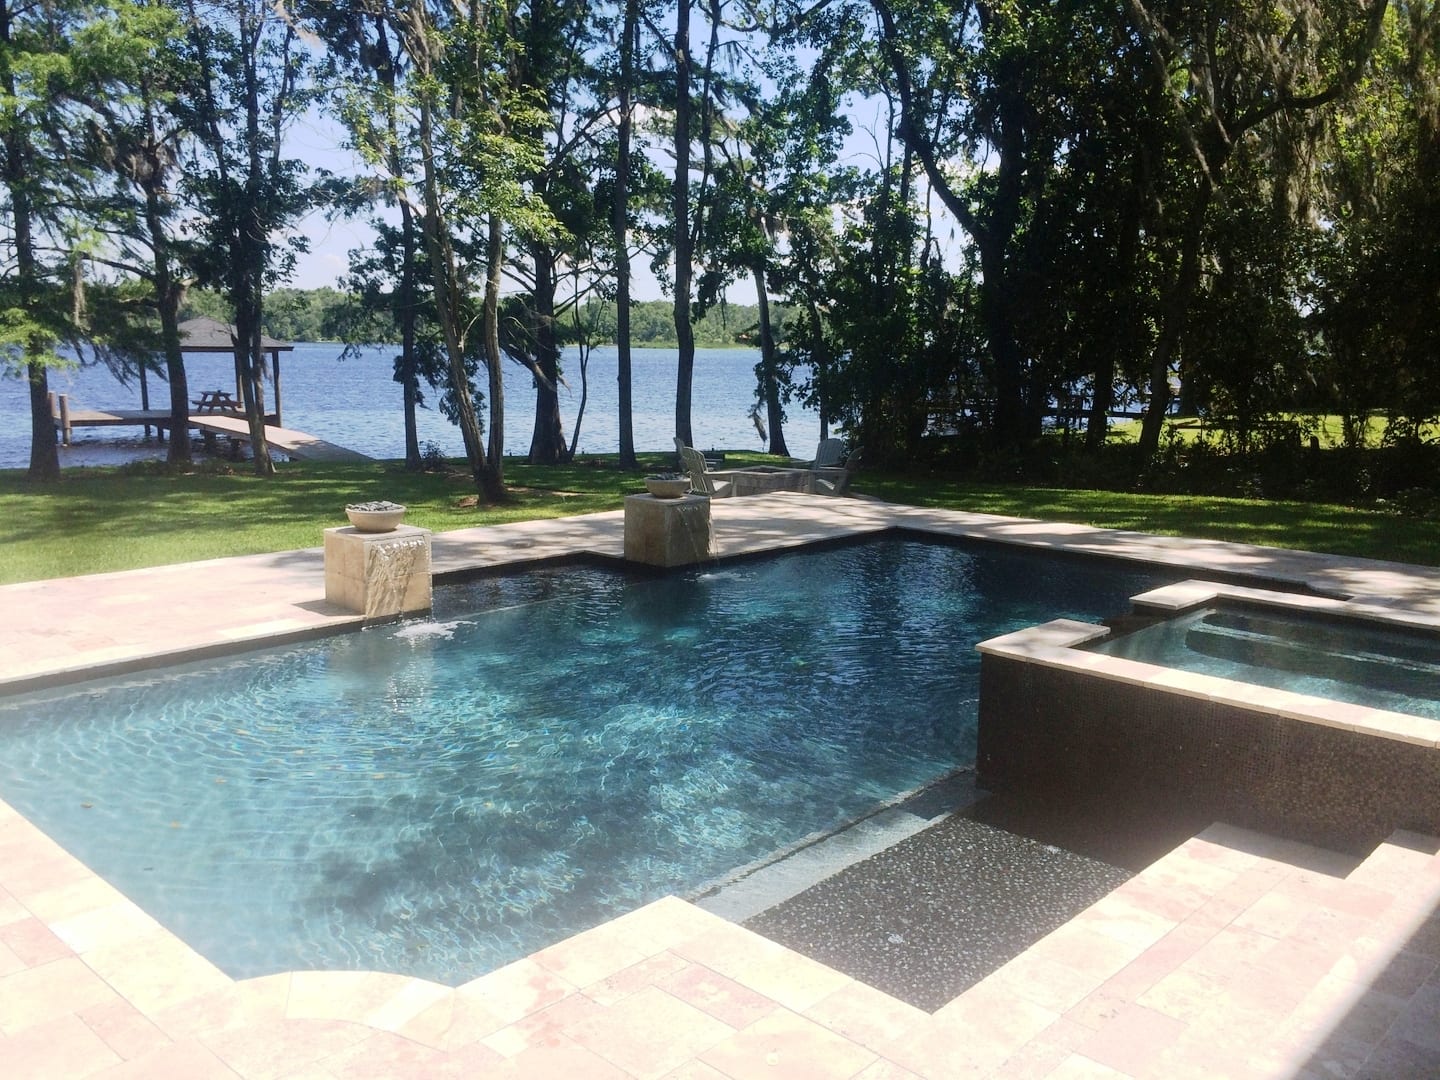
702 481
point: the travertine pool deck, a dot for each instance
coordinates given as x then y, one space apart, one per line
1235 955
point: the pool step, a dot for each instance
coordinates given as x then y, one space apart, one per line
1237 954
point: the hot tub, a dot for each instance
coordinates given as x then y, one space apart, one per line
1300 715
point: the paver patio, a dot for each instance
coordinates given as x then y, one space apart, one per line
1235 955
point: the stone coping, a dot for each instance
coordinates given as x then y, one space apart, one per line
1059 644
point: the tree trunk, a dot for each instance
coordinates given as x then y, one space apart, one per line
621 222
495 253
1174 310
248 295
547 443
443 270
44 457
774 415
680 209
168 294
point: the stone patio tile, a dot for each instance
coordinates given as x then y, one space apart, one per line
1385 967
33 869
695 1070
1391 868
1424 939
1165 956
187 1060
1174 904
1275 915
453 1021
1350 897
1046 982
972 1036
1189 874
785 1044
786 977
1419 1022
1133 1039
113 924
715 994
41 994
650 1033
546 1028
381 1000
387 1056
569 1063
9 962
517 990
59 1047
279 1048
1121 918
251 1003
885 1070
1329 929
1298 965
124 1028
1185 994
1033 1061
11 910
663 925
1227 948
1335 1005
156 971
1085 949
32 942
1079 1067
1222 845
590 956
1400 1057
651 971
74 898
865 1015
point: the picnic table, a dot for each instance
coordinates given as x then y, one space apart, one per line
215 401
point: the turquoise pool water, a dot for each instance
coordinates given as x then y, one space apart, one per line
440 797
1344 660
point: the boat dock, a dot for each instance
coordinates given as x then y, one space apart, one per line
296 444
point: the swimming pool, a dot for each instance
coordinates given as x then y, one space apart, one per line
440 797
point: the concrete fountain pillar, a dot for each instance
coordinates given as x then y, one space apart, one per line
669 532
381 575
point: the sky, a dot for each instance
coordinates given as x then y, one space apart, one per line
320 141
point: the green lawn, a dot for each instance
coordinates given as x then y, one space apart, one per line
97 520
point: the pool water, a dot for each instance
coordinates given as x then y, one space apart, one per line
440 797
1343 660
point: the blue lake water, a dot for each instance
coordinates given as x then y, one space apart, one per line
440 797
355 402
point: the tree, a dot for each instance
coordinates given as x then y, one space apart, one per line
140 139
1237 72
44 59
248 88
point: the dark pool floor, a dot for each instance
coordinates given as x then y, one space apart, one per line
935 913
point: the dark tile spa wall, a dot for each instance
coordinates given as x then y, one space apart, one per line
1058 732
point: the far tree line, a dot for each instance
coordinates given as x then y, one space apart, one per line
329 315
1229 207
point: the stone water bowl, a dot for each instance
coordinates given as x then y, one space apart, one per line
375 517
667 487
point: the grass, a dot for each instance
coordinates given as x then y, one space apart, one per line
97 520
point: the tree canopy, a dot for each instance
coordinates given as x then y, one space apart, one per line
962 223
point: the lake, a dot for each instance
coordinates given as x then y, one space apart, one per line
356 403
